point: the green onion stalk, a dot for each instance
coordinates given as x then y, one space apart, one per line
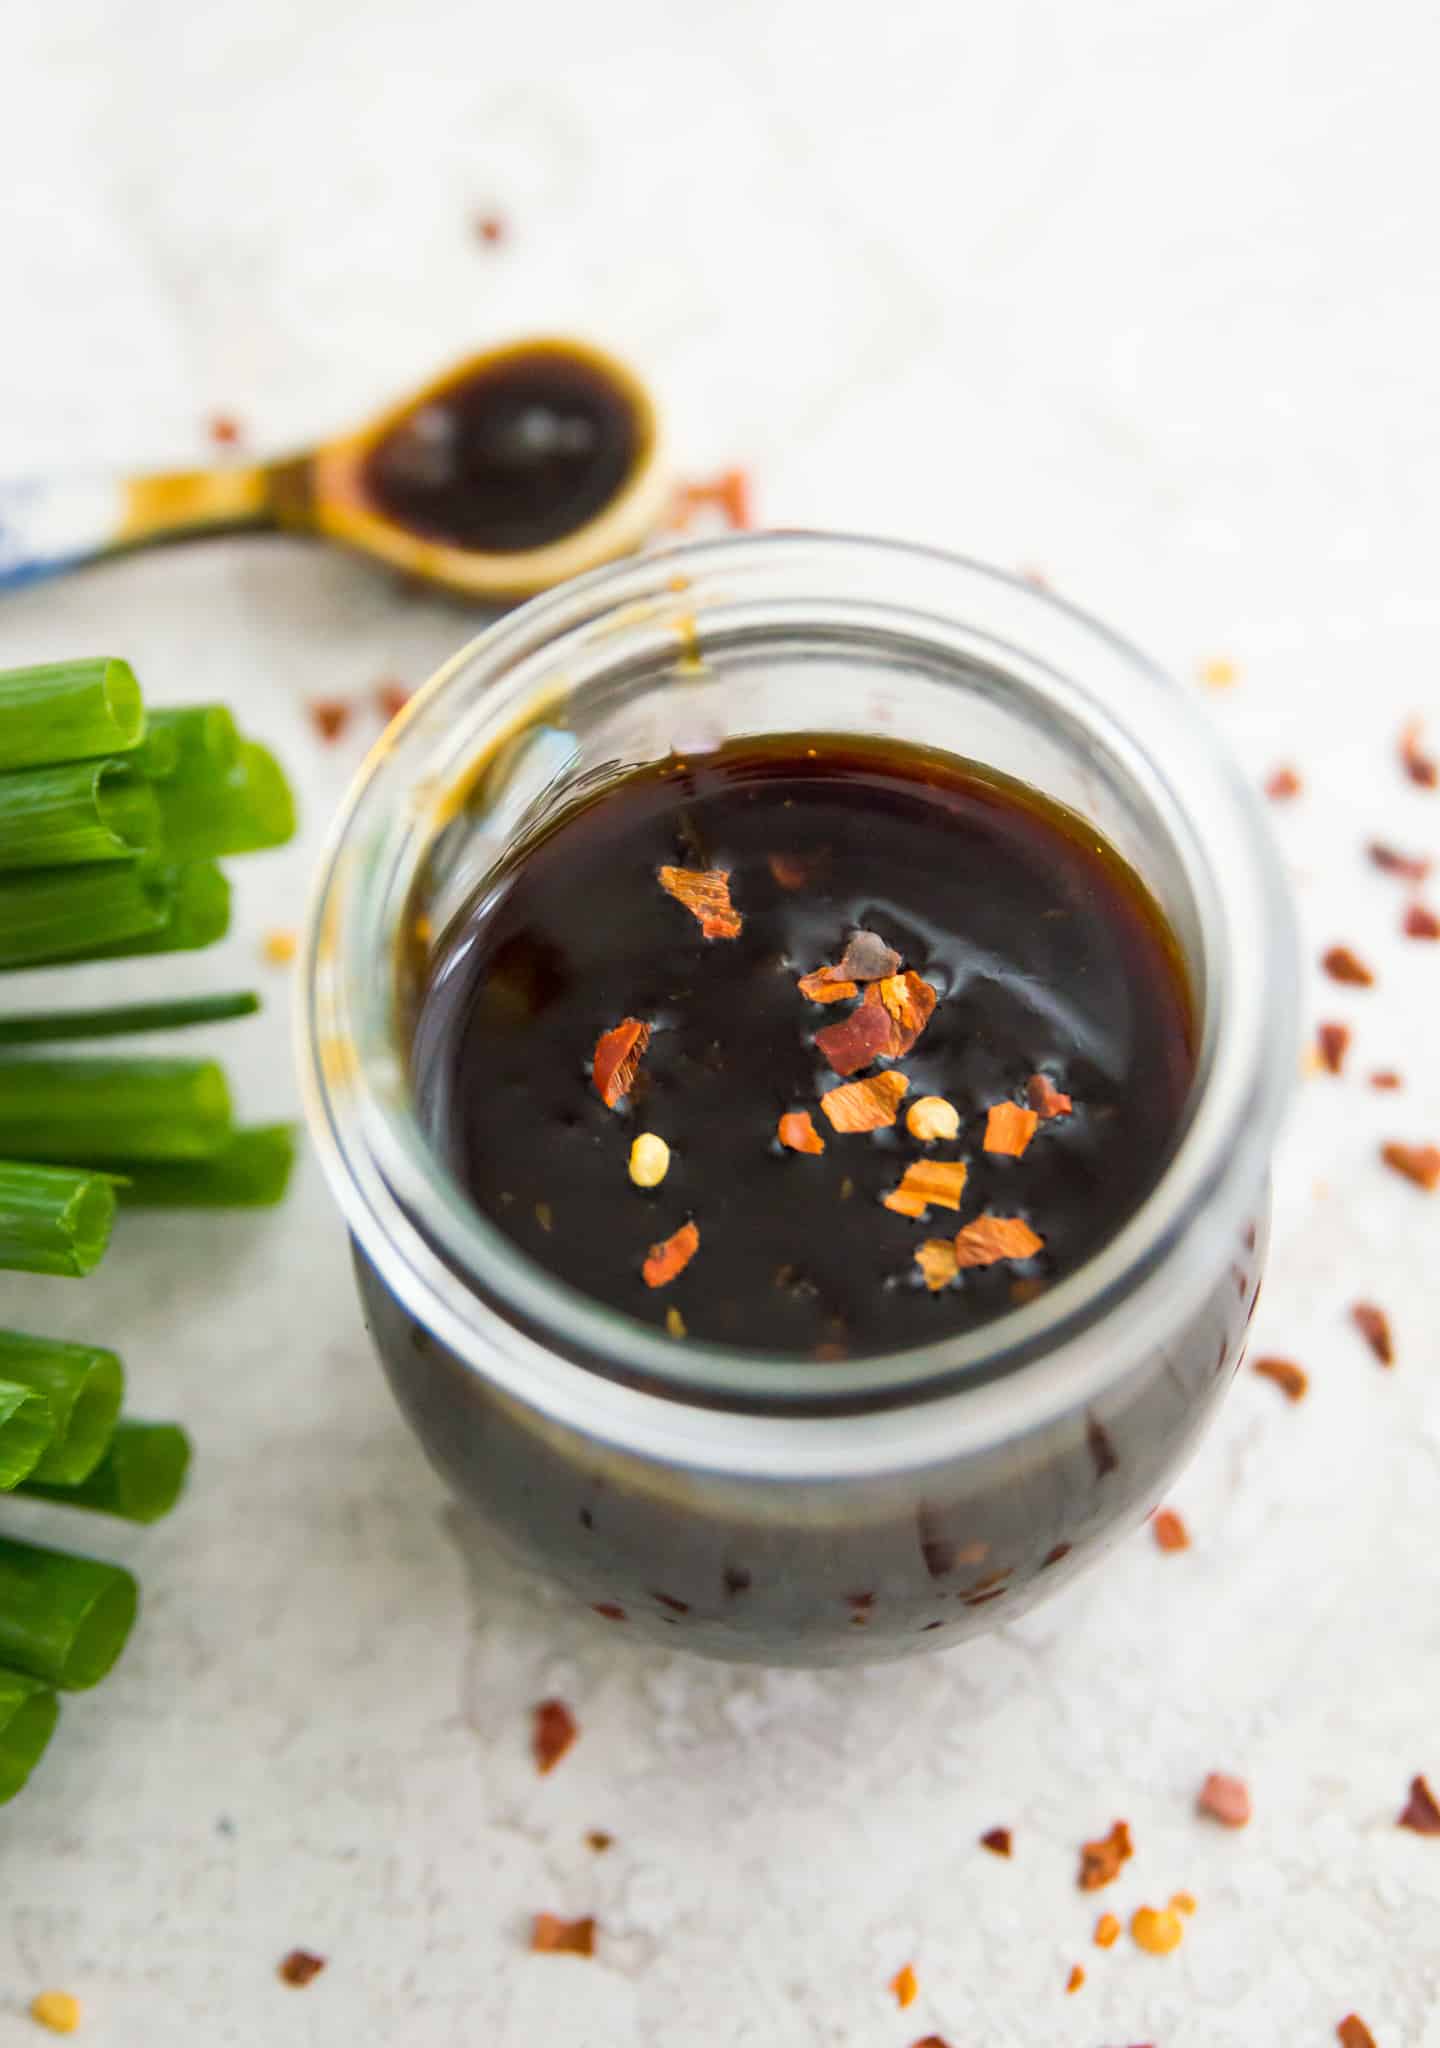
83 1385
68 711
99 1111
140 1477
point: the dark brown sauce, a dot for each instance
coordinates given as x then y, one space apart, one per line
516 456
1048 955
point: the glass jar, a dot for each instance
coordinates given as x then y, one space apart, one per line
769 1508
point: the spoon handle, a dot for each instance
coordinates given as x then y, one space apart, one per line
50 524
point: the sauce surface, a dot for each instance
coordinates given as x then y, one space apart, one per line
1047 957
518 455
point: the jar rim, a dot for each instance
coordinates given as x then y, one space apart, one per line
384 1174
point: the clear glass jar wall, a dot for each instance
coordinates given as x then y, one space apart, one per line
762 1508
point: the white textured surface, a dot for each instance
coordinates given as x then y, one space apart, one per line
1143 295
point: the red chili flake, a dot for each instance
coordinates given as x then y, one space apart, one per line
908 1003
1169 1531
932 2041
1075 1979
391 698
617 1056
598 1840
551 1936
555 1729
224 429
299 1967
1046 1099
608 1611
1418 765
1421 922
329 716
797 1130
1421 1815
823 987
1100 1862
1292 1381
490 227
992 1238
1343 965
997 1841
925 1181
857 1040
1009 1128
1224 1799
1413 867
904 1986
1420 1163
1385 1077
670 1258
1352 2032
1333 1042
1374 1326
705 892
728 494
1282 785
866 1105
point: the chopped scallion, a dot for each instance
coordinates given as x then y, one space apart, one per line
84 1386
140 1477
53 1219
68 711
108 1111
63 1619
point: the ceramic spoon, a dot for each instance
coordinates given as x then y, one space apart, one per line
519 467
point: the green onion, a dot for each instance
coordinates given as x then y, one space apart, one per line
198 897
206 811
47 1026
63 1619
106 1112
197 738
62 913
139 1478
252 1172
158 754
28 1713
84 1386
24 1432
68 711
82 811
54 1220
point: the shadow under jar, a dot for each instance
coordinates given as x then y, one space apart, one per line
814 1502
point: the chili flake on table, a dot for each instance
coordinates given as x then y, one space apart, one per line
1374 1326
1291 1379
1421 1814
552 1936
1101 1861
553 1733
1224 1799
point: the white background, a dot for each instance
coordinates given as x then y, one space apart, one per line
1144 296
